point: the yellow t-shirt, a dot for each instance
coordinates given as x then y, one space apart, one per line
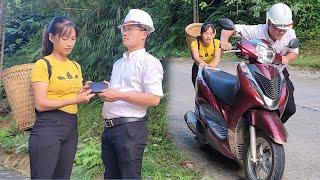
206 53
65 81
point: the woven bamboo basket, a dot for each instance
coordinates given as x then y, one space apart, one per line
192 31
17 84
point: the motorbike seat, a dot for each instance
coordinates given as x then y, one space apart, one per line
222 84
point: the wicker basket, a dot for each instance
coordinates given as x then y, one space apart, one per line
192 31
17 83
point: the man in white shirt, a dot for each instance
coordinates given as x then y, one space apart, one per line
278 30
136 83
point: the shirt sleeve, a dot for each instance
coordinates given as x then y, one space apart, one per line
153 76
194 45
249 31
40 72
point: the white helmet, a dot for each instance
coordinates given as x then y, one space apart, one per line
138 16
280 15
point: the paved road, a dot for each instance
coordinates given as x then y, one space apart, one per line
303 147
7 174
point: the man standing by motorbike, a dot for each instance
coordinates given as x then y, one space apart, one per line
277 30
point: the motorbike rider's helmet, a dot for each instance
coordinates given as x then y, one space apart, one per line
139 17
280 15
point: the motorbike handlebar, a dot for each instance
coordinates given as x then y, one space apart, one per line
232 51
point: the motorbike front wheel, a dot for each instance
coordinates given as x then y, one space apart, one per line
270 160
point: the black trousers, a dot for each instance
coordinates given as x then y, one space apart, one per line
194 73
291 106
122 150
52 145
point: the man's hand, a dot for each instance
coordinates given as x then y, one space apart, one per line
289 57
224 39
285 60
225 45
110 95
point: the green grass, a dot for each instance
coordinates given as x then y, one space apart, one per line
162 159
308 61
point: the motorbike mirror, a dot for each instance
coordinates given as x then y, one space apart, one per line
226 24
294 43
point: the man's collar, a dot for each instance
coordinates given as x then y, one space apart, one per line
128 55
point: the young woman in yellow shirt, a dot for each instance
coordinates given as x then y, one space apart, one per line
57 89
205 50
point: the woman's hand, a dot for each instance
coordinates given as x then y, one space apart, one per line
212 65
84 97
203 64
85 87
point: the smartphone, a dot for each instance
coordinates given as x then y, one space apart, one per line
97 87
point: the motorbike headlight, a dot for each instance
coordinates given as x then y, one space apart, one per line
265 54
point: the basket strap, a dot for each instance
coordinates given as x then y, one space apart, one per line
198 44
49 67
75 64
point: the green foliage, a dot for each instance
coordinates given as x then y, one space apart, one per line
4 135
90 122
307 23
13 141
30 53
88 161
99 44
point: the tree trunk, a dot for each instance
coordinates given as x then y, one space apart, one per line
3 13
195 11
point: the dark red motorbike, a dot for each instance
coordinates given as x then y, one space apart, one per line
240 115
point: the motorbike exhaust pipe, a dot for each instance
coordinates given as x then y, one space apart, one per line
191 120
253 144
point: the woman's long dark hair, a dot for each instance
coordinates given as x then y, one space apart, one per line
59 25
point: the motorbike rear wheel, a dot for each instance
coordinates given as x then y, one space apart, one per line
270 160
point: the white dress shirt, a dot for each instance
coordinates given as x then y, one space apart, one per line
137 71
260 31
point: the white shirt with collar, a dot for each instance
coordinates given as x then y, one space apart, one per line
137 71
260 31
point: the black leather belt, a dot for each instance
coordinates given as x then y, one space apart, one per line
117 121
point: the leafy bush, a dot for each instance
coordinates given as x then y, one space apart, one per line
88 161
12 141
